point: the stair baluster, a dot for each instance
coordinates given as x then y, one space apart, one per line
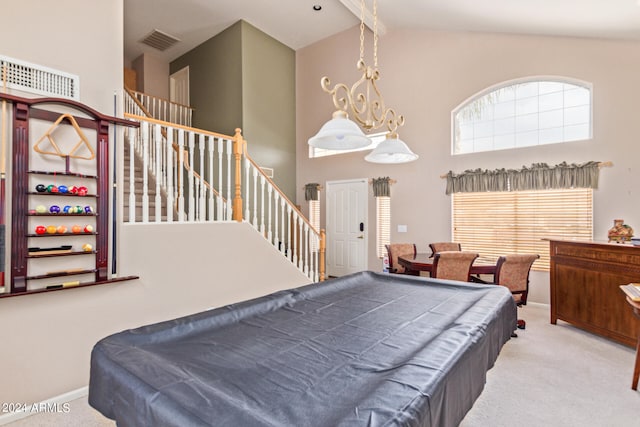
166 153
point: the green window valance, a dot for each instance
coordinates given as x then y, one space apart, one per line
311 191
381 187
539 176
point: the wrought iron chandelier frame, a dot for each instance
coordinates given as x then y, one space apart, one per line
364 100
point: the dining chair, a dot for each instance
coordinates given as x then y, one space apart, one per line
394 250
512 271
444 246
453 265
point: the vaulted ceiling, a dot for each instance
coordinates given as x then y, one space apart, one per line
296 24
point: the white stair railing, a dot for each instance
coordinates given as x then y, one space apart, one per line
270 212
192 175
158 108
156 149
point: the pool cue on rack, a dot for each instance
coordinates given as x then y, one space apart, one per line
3 155
114 210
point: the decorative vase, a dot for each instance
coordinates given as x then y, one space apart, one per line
620 232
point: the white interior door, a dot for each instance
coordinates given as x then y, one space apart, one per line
346 227
179 86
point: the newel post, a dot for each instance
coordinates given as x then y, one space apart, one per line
323 248
238 145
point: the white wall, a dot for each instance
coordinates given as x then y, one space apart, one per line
425 75
183 269
152 75
75 36
47 338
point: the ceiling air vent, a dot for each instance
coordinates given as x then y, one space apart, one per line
159 40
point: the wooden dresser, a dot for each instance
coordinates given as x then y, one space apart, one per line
585 279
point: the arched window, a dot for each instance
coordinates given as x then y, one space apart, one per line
523 113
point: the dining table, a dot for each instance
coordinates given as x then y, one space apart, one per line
414 264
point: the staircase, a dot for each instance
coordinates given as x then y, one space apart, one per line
175 173
138 187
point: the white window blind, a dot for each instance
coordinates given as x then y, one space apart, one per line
503 223
314 219
383 224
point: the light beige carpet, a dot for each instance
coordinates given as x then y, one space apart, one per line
551 375
557 375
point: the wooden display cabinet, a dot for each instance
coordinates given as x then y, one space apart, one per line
585 287
68 257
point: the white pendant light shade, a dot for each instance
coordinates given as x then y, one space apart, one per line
339 133
391 150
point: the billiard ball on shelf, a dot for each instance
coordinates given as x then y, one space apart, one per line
76 229
61 229
52 229
63 189
73 190
41 229
87 247
88 228
54 209
82 191
41 209
88 209
52 188
67 209
41 188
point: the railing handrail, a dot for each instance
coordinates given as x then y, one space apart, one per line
178 126
276 188
159 98
137 102
188 167
175 146
299 226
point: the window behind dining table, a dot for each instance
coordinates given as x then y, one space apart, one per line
509 221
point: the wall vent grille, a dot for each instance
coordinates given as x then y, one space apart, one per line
33 78
159 40
268 172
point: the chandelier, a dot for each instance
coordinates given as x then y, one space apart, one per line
366 105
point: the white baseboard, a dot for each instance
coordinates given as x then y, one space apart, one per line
539 304
31 409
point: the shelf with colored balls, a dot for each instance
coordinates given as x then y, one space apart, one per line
54 232
59 194
66 210
34 213
62 173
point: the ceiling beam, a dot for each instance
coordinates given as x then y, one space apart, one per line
354 7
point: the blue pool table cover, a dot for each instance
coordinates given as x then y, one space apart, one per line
369 349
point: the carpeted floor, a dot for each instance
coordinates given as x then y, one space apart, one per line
557 375
551 375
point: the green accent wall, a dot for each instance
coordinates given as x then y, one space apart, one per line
245 78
